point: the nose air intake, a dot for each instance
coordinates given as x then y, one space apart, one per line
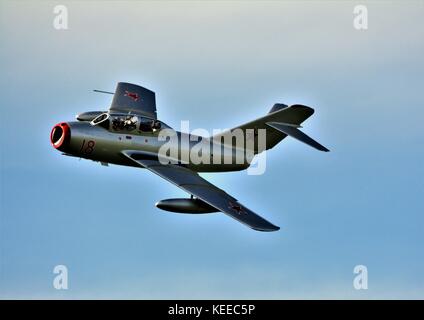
60 135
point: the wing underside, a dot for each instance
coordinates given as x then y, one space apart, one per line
194 184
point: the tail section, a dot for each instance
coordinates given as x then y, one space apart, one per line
280 122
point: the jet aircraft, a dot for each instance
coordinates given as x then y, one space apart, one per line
129 134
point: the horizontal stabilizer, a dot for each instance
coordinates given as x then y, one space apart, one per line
293 131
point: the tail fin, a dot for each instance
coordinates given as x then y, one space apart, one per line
280 122
131 98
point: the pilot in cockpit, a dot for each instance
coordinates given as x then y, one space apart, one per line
128 123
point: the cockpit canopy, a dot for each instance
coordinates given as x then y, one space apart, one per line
128 123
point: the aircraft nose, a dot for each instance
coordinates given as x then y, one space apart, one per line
60 136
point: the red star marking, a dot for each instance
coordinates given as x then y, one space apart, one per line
236 207
131 95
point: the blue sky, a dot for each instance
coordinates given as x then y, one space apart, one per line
217 64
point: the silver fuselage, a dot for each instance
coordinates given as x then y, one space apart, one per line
105 145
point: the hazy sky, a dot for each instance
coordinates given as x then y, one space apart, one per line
217 64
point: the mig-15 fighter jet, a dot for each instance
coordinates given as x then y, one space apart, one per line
130 134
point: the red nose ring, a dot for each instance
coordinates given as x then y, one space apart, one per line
59 137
